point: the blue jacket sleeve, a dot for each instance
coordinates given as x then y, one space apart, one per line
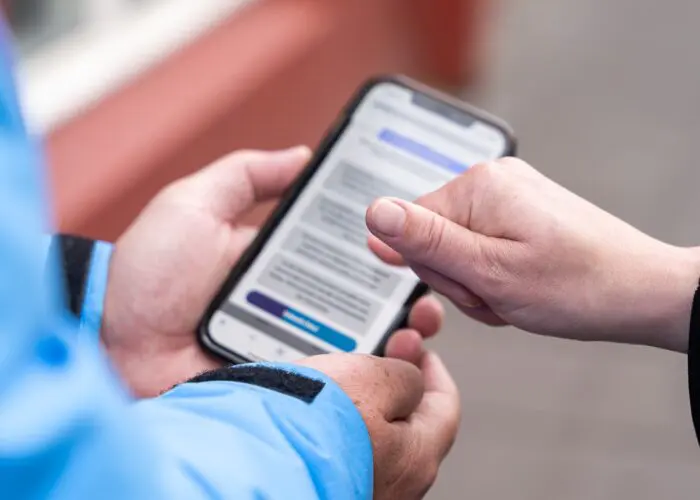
279 446
93 285
69 430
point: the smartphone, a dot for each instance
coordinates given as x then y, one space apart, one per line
308 284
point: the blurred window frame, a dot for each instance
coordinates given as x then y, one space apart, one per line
115 41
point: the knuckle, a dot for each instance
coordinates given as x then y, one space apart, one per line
491 269
433 236
516 165
173 192
511 162
343 368
369 366
484 172
358 373
441 200
243 156
499 273
488 180
398 374
366 359
435 201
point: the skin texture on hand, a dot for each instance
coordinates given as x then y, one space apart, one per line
170 263
509 246
412 412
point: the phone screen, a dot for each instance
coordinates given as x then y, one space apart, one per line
315 287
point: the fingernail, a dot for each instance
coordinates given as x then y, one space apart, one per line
387 217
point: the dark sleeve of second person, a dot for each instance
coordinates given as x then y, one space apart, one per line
694 363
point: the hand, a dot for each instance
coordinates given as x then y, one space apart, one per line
170 263
412 416
509 246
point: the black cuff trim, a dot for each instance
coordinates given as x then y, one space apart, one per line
694 363
75 254
285 382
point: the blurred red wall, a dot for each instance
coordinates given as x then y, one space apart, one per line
274 74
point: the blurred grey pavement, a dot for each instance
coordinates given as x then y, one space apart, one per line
605 98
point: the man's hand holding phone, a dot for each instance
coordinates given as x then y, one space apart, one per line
170 263
411 411
168 266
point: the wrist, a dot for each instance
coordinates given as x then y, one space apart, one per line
150 372
150 361
675 299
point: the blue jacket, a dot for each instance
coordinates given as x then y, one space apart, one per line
69 430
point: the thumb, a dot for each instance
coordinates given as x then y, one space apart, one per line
232 185
425 238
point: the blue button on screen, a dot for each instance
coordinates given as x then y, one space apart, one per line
302 322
